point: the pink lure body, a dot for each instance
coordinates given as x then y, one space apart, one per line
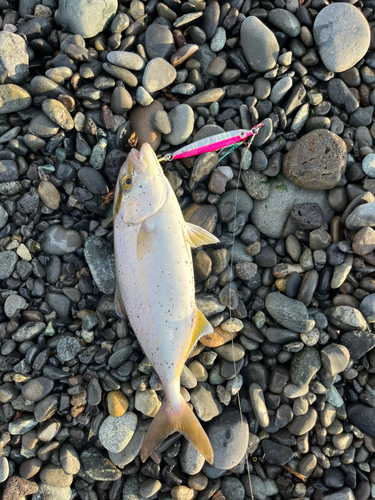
216 142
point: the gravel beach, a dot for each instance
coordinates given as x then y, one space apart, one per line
285 386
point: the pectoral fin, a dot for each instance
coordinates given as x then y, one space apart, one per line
197 236
119 305
201 328
145 240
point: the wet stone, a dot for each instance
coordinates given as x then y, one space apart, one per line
68 348
116 432
97 467
37 389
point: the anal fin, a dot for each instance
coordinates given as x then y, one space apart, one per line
201 328
197 236
119 305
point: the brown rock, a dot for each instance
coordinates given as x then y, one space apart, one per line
140 124
316 161
29 468
201 215
17 487
183 53
217 338
364 241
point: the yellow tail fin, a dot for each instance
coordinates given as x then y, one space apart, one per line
181 419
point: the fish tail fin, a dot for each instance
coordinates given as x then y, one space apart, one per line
176 419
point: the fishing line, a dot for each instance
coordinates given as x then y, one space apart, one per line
230 311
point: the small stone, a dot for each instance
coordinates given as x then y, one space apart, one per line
100 259
116 432
205 403
4 469
368 165
259 44
290 313
305 364
182 120
17 487
358 343
117 403
335 358
68 348
346 318
58 113
49 195
37 388
59 241
158 74
55 476
275 453
98 468
69 459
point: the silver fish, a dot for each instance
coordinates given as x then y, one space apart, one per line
155 287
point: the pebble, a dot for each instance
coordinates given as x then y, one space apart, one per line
290 313
182 122
315 150
116 432
333 43
157 75
84 18
259 44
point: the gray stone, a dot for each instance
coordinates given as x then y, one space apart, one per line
67 348
98 468
271 216
116 432
59 241
13 98
229 437
182 120
86 17
14 58
191 460
346 318
259 44
305 364
48 492
335 37
362 216
8 260
158 74
100 259
130 451
285 21
290 313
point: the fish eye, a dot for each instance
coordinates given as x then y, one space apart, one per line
126 182
242 133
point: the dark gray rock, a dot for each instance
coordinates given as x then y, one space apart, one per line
100 259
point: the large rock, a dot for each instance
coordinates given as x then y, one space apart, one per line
340 46
13 98
86 17
14 58
229 437
316 161
259 45
271 216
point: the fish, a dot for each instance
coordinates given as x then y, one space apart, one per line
155 288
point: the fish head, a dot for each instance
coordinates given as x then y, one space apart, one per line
141 187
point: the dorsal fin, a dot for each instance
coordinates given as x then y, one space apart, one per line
201 328
197 236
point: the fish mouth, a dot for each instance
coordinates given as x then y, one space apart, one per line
148 158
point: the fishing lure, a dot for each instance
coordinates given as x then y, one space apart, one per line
235 138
